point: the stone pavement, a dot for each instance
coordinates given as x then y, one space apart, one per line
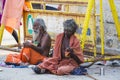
111 73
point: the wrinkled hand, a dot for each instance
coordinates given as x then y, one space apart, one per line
68 52
69 49
27 44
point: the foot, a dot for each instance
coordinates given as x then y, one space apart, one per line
37 70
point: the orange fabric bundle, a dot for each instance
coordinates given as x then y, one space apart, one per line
27 55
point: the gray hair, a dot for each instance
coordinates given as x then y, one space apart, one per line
70 24
41 23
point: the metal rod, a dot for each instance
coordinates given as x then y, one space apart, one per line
115 17
9 49
94 29
1 33
101 27
86 21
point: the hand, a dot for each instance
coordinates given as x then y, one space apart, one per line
69 49
68 52
27 44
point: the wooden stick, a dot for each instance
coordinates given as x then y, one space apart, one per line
10 49
86 74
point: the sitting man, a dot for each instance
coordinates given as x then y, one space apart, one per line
33 52
67 53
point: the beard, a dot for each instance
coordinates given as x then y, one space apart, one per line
35 35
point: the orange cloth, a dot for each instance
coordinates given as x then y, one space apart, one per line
9 29
74 44
28 4
59 66
12 13
27 55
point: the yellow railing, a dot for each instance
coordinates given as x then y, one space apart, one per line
86 22
101 27
115 16
1 33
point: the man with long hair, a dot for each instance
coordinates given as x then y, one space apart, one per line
67 54
35 51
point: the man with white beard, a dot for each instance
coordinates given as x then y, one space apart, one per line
35 52
34 35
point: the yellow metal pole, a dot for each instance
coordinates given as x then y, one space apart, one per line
103 59
86 22
101 27
67 8
94 31
115 16
1 33
19 41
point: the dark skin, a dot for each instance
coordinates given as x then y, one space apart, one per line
43 39
66 47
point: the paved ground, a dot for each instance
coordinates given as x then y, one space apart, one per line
111 73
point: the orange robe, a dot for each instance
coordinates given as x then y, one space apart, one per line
27 55
12 14
60 66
